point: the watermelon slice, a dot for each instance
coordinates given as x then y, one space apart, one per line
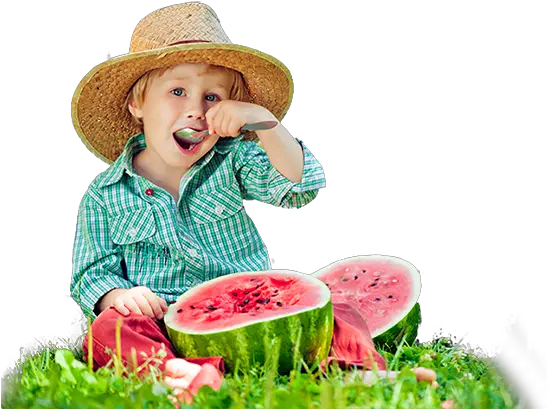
383 289
237 316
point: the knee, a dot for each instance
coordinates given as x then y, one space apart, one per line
105 323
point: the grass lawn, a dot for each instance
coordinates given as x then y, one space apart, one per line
55 376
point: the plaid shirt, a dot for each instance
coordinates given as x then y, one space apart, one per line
132 233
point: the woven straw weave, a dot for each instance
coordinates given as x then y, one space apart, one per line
97 104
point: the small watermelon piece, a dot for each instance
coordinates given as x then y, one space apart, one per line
232 316
385 291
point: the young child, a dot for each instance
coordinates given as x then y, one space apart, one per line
168 213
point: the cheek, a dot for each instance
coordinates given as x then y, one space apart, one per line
214 140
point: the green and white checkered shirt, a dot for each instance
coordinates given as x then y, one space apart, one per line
131 233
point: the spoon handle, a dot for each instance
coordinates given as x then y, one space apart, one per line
258 126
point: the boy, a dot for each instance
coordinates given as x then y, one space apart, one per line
168 214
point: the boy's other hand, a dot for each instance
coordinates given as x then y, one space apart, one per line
139 300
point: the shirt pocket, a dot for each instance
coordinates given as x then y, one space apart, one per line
216 206
132 226
219 222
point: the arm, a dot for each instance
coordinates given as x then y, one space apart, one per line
260 180
283 151
96 260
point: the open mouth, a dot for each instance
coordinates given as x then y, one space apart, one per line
184 139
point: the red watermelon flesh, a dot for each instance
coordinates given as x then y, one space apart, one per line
233 302
383 289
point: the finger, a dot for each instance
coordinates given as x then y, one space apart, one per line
120 307
144 305
217 124
164 306
210 116
132 305
153 301
233 126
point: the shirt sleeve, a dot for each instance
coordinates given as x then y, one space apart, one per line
96 260
260 180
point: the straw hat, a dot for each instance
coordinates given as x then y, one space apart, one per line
183 33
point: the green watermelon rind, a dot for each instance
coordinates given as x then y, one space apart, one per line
305 335
390 339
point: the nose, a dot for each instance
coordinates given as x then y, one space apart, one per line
195 108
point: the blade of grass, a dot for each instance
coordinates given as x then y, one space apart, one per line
271 370
89 346
118 347
326 397
395 360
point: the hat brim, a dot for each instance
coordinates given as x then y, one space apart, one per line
97 105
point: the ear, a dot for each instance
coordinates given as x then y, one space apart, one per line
135 111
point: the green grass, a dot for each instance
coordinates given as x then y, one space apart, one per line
55 376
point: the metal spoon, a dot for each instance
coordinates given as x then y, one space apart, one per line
194 137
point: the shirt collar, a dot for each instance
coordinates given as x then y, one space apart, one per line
135 144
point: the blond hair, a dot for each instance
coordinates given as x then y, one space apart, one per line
137 93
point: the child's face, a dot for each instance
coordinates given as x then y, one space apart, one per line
179 99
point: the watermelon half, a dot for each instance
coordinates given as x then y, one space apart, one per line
237 316
385 291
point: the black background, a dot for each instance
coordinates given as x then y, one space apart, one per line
373 87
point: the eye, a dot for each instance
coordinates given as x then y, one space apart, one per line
178 92
212 98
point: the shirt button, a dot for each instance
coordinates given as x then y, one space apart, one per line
193 253
149 192
219 209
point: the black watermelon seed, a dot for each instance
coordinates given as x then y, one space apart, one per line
364 271
344 279
257 286
266 301
260 301
279 303
192 307
253 279
256 294
234 294
246 292
212 307
276 290
389 296
355 277
377 279
373 285
245 301
206 311
377 299
179 310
